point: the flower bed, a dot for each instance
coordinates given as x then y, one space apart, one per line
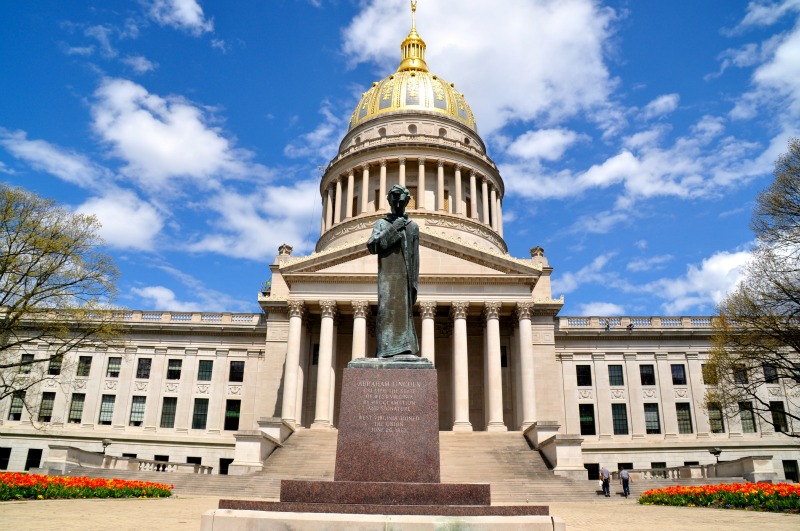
780 497
19 486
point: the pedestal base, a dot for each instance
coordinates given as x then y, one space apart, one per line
368 492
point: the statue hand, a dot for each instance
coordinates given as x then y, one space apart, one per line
399 224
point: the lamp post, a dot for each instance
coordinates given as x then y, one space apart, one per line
715 452
106 443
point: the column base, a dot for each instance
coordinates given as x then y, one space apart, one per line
321 425
462 426
496 426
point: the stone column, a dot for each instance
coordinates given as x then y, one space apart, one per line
570 393
292 364
500 216
458 209
635 407
402 177
669 417
440 185
493 203
494 376
329 208
382 204
694 372
348 207
428 312
322 419
527 376
322 228
338 208
473 194
604 423
458 312
421 184
364 188
360 314
485 199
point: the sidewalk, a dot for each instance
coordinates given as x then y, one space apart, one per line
182 513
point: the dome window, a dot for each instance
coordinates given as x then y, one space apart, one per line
442 132
357 140
466 140
412 129
382 132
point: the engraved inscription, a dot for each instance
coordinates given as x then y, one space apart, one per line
391 406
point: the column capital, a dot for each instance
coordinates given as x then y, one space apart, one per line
364 167
421 160
524 310
427 309
401 160
297 308
337 180
485 180
491 309
328 308
459 309
440 163
383 163
360 309
458 167
351 173
472 173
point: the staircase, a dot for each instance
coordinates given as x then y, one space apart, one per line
517 474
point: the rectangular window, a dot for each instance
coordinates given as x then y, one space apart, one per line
740 374
46 407
84 366
34 459
174 369
137 410
106 409
715 419
747 417
709 374
5 457
194 460
17 404
615 377
652 422
76 408
54 367
112 371
232 408
143 368
778 417
204 369
236 373
168 409
25 364
586 413
684 413
200 415
678 374
647 374
619 416
584 373
770 374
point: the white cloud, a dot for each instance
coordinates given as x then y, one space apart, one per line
647 264
534 77
127 221
166 139
184 15
660 106
103 36
44 156
140 64
601 309
569 282
547 144
164 299
323 142
765 13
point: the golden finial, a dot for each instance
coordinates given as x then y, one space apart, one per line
413 47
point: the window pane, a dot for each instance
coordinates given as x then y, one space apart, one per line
709 374
747 417
113 367
200 413
586 413
770 374
204 370
232 408
106 409
678 374
17 403
168 412
584 373
740 374
684 412
619 414
143 368
54 368
137 410
76 408
615 375
648 374
652 422
174 369
25 363
84 365
46 407
778 416
237 371
715 419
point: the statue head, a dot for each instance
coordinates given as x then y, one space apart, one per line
398 198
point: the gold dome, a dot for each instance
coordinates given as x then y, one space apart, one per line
413 87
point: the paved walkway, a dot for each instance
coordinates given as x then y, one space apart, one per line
182 513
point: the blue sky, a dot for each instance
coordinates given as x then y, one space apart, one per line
633 136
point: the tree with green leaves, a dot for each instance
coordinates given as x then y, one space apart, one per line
755 355
56 290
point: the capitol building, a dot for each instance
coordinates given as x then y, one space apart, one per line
221 390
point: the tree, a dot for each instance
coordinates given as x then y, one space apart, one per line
756 346
56 287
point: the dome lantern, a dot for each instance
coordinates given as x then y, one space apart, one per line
413 47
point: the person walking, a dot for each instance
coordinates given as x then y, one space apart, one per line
605 477
625 479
